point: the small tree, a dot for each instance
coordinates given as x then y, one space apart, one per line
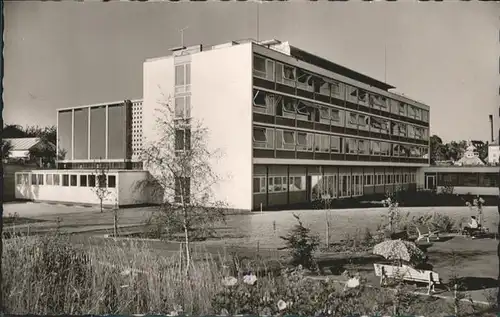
301 245
394 220
6 149
100 188
448 189
182 177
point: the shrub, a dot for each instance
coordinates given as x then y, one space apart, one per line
394 221
443 223
292 294
48 270
302 245
50 276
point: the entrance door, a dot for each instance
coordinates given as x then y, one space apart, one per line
308 188
430 182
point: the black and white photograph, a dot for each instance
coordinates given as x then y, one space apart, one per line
250 158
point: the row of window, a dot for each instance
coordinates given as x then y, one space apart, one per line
72 180
468 179
182 78
341 185
95 165
287 107
182 107
270 138
183 139
295 77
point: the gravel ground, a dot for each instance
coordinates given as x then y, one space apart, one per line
260 230
265 228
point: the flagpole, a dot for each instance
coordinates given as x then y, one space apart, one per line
385 63
258 5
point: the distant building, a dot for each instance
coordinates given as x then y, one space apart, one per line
22 147
470 157
494 152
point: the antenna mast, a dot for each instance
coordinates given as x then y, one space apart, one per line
258 5
182 35
385 63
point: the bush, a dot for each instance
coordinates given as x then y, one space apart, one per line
48 270
443 223
301 245
291 294
50 276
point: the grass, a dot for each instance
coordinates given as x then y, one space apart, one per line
14 220
48 275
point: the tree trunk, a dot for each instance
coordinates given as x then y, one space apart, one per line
188 255
498 253
100 204
115 222
1 220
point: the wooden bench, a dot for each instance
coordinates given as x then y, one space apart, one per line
476 232
425 233
407 273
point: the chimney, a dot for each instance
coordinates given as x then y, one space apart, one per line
491 126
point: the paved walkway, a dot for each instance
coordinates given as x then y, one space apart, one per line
74 219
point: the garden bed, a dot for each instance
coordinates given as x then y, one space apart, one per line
18 221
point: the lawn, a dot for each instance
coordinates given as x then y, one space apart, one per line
252 241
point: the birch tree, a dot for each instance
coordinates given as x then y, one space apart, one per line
100 188
182 177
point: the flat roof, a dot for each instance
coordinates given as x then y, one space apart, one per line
99 104
337 68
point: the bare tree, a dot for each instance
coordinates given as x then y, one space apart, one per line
100 188
6 149
182 177
115 218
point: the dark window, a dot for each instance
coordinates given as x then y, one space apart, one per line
468 179
34 179
102 179
179 140
111 181
73 180
83 180
91 182
256 185
182 189
65 180
488 180
465 179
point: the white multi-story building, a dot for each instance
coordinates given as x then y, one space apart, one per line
292 126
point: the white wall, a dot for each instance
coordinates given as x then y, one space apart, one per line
128 191
19 154
221 85
158 87
69 194
493 154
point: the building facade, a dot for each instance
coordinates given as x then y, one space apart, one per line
464 180
108 134
92 139
493 153
293 126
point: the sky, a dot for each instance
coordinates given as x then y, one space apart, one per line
446 55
